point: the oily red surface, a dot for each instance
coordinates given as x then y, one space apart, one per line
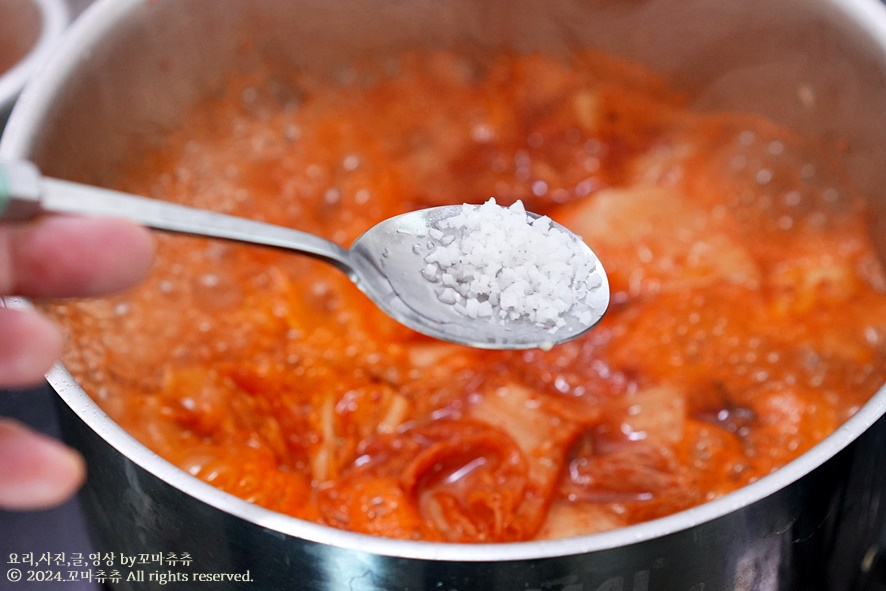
747 319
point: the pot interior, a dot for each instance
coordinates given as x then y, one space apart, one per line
818 67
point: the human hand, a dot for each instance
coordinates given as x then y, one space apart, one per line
53 256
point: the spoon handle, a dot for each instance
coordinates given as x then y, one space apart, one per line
24 193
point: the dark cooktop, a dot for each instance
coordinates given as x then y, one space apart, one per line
60 530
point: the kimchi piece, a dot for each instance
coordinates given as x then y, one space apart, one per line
748 315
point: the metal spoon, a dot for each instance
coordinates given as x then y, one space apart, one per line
382 262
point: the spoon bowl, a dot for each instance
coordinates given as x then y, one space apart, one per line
388 264
385 262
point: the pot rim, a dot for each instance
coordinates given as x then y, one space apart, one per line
869 15
54 16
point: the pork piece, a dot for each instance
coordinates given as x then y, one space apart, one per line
653 240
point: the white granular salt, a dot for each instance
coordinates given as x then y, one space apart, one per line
499 263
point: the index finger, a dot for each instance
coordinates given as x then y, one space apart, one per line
69 256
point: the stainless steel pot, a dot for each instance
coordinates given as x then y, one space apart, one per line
129 68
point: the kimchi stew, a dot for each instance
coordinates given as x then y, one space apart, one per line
747 322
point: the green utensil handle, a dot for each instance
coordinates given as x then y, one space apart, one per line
19 191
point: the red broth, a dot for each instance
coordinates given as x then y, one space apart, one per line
748 318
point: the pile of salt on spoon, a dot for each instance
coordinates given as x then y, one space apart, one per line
504 265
